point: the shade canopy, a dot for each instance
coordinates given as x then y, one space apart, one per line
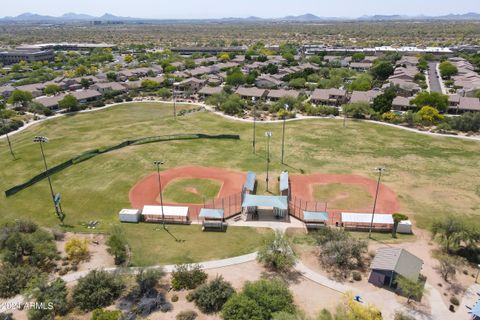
379 218
283 181
167 211
251 200
250 181
211 213
476 309
315 216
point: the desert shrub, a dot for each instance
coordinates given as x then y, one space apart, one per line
13 279
402 316
58 235
211 297
101 314
96 290
44 293
186 315
117 245
357 276
454 301
276 254
259 300
174 298
77 249
188 277
148 279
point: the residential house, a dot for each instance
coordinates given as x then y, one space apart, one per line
208 91
189 86
334 97
402 103
265 81
35 89
249 93
276 94
360 66
364 96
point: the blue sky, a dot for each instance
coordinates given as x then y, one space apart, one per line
238 8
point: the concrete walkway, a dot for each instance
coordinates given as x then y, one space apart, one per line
211 109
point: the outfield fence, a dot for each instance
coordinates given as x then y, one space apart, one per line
95 152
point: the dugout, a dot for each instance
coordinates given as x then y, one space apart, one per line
171 214
212 219
259 207
362 221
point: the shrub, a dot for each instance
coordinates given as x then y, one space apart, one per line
147 280
97 290
25 226
117 245
454 301
357 276
98 104
174 298
58 235
77 249
402 316
276 254
101 314
241 307
14 279
211 297
186 315
190 296
188 277
44 293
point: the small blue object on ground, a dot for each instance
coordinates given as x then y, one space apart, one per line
357 298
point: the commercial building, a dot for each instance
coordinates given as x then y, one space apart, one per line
15 56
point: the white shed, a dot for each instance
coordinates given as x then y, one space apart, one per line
404 227
129 215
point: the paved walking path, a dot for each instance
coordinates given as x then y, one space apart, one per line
211 109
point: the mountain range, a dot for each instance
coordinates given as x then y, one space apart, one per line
309 17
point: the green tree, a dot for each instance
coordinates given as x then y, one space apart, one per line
381 69
383 102
429 115
52 89
276 253
20 97
211 297
363 82
357 110
150 84
271 295
69 102
434 99
297 83
96 290
164 93
450 231
235 77
233 105
447 69
358 56
411 288
241 307
13 279
77 250
111 76
447 265
128 58
397 218
117 244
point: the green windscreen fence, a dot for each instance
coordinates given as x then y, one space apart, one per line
92 153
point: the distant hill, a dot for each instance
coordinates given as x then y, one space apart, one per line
308 17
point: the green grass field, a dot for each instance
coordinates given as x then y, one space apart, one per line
432 176
343 196
190 190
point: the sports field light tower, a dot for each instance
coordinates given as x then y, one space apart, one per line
158 163
8 139
254 121
55 197
268 134
378 170
283 131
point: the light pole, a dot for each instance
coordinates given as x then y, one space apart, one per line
175 84
56 200
268 134
254 121
283 134
158 163
8 139
380 170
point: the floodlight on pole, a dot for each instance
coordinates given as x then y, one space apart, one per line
283 131
158 163
58 208
175 84
378 170
268 134
8 140
254 122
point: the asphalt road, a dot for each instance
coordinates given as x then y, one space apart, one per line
433 78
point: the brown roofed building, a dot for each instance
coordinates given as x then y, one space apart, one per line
276 94
332 96
249 93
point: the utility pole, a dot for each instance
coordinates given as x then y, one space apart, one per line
56 199
8 140
174 101
158 164
254 122
268 134
380 170
283 134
